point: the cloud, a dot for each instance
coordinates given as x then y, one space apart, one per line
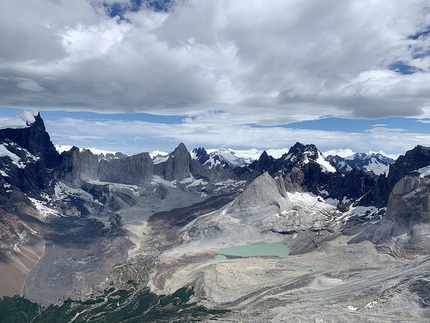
259 62
137 136
29 85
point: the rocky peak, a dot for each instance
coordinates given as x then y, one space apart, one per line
265 163
413 160
27 153
200 154
181 162
301 151
35 139
177 165
300 156
264 193
374 164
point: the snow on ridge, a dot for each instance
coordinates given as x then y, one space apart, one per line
23 120
247 155
326 166
344 153
95 151
158 153
376 167
424 171
44 210
4 152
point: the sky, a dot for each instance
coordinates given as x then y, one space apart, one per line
140 75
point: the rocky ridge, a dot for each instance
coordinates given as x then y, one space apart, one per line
87 213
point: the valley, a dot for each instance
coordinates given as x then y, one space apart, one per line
118 238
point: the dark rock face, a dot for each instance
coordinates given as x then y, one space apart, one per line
36 140
177 167
137 169
181 163
404 165
405 229
302 171
77 166
36 154
201 155
410 200
264 164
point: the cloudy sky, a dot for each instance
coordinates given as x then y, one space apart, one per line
137 75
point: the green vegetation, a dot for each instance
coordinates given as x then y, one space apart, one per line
132 273
17 310
115 306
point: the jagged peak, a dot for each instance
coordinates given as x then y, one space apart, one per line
181 147
265 156
262 193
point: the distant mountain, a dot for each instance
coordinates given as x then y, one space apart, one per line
224 157
375 164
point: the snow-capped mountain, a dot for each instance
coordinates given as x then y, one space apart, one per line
224 157
98 229
374 163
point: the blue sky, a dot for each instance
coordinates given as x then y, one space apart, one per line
139 75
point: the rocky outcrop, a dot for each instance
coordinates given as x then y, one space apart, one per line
263 196
406 164
28 157
36 140
405 229
77 166
137 169
177 166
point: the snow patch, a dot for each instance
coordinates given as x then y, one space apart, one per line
158 180
23 120
312 203
160 159
63 191
158 153
424 171
4 152
44 210
326 166
376 167
117 186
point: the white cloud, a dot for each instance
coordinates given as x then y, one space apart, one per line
30 85
225 64
288 56
144 136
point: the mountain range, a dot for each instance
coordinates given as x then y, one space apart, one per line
119 238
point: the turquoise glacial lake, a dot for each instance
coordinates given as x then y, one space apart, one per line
255 250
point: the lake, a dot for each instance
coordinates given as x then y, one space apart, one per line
256 250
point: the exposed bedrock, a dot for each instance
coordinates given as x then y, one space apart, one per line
405 229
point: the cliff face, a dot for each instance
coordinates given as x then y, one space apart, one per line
404 165
263 195
28 155
137 169
35 139
177 166
404 231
